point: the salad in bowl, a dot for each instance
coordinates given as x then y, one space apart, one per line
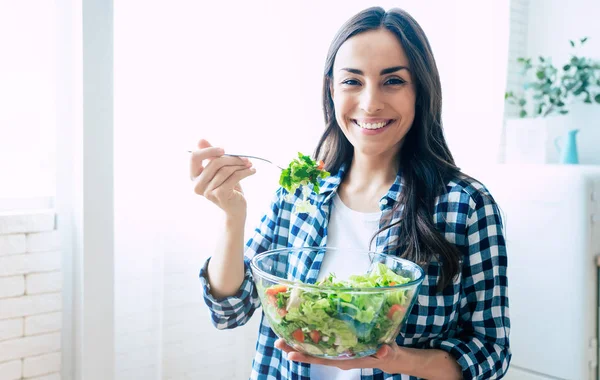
335 318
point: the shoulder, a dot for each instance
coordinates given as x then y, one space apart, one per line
465 200
465 189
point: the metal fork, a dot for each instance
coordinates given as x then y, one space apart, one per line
247 156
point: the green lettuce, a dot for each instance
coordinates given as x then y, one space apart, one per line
331 323
302 171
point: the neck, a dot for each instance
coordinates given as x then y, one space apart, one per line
372 174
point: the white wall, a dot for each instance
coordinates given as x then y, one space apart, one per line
552 25
27 98
30 296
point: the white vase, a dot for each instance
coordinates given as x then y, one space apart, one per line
526 141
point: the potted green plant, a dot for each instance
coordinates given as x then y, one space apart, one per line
549 90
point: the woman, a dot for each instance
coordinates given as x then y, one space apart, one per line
393 179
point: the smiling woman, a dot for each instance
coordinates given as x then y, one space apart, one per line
397 183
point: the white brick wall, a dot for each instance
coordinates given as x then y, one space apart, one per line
11 370
517 47
12 286
30 296
11 328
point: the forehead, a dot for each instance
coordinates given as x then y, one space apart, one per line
372 50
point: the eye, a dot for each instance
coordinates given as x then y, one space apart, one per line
395 81
351 82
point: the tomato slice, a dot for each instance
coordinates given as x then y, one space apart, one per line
298 335
315 336
394 309
272 299
282 312
276 289
321 165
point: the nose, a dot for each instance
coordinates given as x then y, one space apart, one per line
370 101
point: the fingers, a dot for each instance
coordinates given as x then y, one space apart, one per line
293 354
238 175
382 352
198 156
204 144
224 172
226 177
373 361
280 343
216 163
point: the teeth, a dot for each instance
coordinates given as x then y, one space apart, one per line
371 125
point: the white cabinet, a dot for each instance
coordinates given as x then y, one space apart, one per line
552 227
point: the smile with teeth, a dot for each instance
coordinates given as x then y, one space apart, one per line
372 125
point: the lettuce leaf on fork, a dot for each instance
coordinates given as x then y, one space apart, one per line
301 172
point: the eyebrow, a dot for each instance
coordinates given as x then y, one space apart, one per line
389 70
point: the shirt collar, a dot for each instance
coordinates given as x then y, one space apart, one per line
330 185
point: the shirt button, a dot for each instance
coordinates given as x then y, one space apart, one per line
383 202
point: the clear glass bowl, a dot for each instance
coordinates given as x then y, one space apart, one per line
335 321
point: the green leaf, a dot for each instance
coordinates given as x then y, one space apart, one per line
583 40
597 98
523 113
542 59
572 43
522 102
563 112
540 108
566 67
541 74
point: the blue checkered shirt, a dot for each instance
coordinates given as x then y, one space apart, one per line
469 318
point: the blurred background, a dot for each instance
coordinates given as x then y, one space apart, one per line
102 237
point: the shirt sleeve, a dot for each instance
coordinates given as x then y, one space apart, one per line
236 310
481 346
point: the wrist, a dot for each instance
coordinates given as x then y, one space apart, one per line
235 221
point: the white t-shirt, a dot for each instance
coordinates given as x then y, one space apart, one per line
347 229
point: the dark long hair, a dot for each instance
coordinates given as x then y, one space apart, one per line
427 164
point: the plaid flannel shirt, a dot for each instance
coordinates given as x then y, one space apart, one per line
469 319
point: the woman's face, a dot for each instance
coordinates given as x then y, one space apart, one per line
373 93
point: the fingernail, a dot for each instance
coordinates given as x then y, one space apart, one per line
220 151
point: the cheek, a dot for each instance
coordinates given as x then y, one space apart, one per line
343 106
340 113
